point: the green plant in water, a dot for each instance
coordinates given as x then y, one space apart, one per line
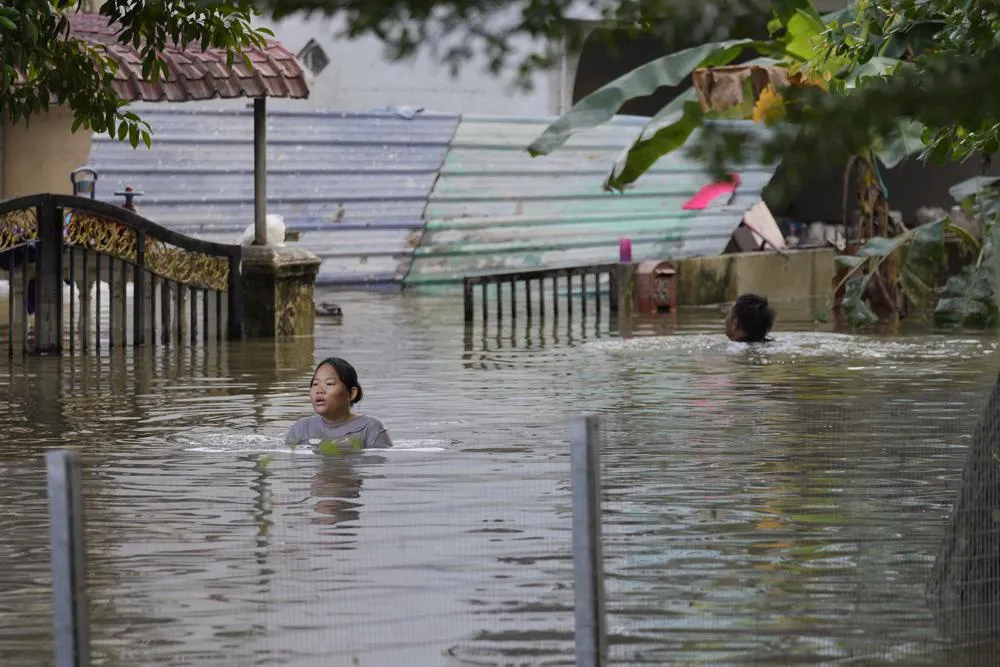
968 298
333 447
264 460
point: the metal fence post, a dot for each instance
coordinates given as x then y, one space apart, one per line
69 581
588 563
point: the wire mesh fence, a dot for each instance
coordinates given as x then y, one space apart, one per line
351 560
791 524
799 527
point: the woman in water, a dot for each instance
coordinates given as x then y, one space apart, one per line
334 427
749 319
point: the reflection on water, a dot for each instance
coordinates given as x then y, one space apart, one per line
762 505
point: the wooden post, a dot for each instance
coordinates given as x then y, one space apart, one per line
260 171
48 279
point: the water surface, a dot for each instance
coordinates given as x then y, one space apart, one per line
780 505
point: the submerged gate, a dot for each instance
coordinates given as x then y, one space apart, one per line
83 275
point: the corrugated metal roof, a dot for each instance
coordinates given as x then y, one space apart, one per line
194 74
496 209
354 185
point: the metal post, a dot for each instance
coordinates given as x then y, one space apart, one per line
49 279
588 562
468 299
260 171
69 590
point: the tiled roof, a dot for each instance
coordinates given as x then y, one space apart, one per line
195 74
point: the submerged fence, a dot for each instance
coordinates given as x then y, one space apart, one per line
543 293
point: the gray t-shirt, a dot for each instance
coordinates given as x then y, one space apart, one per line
358 432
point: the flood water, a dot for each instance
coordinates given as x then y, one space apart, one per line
775 507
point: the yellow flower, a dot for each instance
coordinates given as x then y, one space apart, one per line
769 107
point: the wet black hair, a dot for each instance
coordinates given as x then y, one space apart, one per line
754 317
346 373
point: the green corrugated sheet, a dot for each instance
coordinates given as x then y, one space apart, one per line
495 209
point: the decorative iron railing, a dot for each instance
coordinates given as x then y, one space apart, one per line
127 280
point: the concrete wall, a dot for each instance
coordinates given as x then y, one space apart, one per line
798 274
38 156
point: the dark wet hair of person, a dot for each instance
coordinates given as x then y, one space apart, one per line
346 373
754 317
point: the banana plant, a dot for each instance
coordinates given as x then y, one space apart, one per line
918 255
804 41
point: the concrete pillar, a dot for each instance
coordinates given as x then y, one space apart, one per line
278 286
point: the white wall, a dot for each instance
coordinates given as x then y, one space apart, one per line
361 77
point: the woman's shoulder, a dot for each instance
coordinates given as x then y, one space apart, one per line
370 421
304 422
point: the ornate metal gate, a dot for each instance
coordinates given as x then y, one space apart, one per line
83 275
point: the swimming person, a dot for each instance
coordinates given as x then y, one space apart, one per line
749 319
334 428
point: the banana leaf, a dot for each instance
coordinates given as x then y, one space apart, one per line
667 131
602 104
967 299
855 307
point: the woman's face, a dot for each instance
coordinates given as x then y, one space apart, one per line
330 398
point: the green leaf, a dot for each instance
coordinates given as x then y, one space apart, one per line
967 299
328 448
971 187
879 246
803 30
906 141
849 261
786 10
877 66
7 24
856 310
668 131
602 105
923 258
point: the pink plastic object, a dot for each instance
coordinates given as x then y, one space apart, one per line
711 192
625 251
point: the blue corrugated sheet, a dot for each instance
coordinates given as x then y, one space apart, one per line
495 209
354 185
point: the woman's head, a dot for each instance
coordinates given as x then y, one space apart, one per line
334 389
750 319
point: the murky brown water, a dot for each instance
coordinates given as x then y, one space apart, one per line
780 507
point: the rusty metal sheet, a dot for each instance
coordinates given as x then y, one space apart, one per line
495 208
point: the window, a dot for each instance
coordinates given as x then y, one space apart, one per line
313 57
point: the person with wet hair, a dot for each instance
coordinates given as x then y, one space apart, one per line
335 428
749 319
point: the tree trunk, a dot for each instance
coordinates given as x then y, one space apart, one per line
963 590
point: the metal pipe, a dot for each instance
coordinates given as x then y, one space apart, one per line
69 576
588 563
260 171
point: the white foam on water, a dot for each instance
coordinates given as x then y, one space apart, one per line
263 444
792 347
